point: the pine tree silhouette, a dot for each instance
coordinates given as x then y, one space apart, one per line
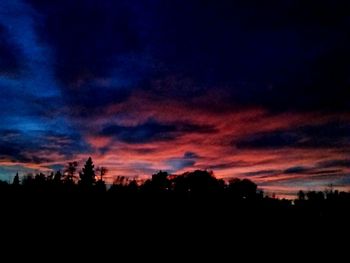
58 177
16 180
102 172
70 172
87 176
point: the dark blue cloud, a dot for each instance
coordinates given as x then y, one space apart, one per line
92 100
145 150
93 49
153 131
269 54
149 131
329 171
30 101
314 170
227 165
270 172
296 170
334 163
10 63
180 163
190 155
279 54
329 135
56 167
278 139
13 151
26 147
187 160
87 36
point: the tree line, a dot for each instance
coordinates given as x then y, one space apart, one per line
194 203
91 179
191 184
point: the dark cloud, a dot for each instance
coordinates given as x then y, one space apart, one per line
329 135
329 171
334 163
18 153
188 160
278 139
296 170
26 147
13 151
56 167
149 131
10 63
262 172
279 54
87 35
180 163
152 131
145 150
92 100
315 170
99 55
195 128
227 165
191 155
332 130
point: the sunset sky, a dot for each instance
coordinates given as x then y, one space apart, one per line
248 89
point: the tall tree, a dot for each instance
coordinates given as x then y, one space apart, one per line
70 172
301 195
58 177
102 172
160 182
16 180
87 176
100 184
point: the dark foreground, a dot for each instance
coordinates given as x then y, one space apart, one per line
166 214
145 227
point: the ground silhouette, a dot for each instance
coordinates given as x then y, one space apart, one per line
198 191
164 213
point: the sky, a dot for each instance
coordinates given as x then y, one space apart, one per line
245 88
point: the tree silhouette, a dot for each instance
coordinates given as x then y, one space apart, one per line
242 189
315 196
200 189
100 184
198 182
160 181
40 179
102 172
57 177
51 176
70 172
158 184
301 195
87 176
16 180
